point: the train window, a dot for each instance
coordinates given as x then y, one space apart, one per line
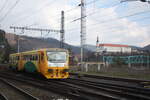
17 58
24 57
42 57
31 57
35 57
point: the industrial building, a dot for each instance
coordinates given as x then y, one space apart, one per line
114 48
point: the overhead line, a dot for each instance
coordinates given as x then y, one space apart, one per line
90 14
3 6
9 11
145 18
35 12
91 2
110 20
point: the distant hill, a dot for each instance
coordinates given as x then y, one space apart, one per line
31 43
91 47
147 47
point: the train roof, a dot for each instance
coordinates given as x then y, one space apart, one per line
44 49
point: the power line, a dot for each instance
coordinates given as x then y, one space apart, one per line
9 11
91 2
110 27
3 6
134 14
90 14
141 19
35 12
122 29
67 11
110 20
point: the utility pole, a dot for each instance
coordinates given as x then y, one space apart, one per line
18 42
97 44
62 31
83 29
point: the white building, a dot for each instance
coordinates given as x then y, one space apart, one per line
114 48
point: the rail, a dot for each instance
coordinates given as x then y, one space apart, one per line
31 97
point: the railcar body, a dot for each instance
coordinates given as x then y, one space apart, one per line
52 63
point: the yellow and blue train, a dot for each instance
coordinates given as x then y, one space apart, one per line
52 63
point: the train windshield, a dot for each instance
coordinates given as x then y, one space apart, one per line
57 56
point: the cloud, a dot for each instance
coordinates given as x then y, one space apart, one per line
121 31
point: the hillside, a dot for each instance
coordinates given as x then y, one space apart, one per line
32 43
147 48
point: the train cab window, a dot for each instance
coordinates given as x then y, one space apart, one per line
42 56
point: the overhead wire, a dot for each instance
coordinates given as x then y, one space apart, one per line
3 6
115 19
110 26
10 10
91 2
90 14
34 13
67 11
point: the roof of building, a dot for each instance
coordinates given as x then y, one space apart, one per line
114 45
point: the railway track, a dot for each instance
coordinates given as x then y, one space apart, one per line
69 91
85 90
17 92
3 97
122 92
110 78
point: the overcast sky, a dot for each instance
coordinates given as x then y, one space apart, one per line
125 23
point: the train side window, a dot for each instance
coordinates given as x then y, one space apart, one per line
33 57
30 57
17 57
24 57
36 57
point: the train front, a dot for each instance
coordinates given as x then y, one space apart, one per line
57 61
